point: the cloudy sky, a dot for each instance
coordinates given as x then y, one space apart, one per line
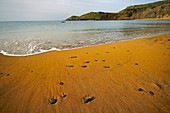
59 9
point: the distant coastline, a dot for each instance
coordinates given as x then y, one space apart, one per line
152 11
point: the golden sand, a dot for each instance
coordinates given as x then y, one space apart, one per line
128 76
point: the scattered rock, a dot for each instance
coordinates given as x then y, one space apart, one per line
7 74
1 73
159 85
87 62
114 47
73 56
106 67
61 83
151 92
118 64
140 89
136 64
107 52
87 99
168 39
32 71
84 66
96 60
63 96
128 50
69 66
53 101
103 60
86 53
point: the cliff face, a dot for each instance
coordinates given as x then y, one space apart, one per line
152 10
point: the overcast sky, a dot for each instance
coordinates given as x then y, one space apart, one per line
59 9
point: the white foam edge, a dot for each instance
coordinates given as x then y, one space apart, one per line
41 51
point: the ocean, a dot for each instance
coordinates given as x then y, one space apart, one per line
23 38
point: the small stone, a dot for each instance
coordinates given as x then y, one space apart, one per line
87 99
32 71
140 89
73 56
96 60
53 101
61 83
64 95
106 67
159 85
84 66
7 74
103 60
118 64
69 66
136 64
151 92
107 52
1 73
87 62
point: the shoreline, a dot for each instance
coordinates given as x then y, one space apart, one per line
55 49
127 76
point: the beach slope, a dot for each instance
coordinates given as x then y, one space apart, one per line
127 76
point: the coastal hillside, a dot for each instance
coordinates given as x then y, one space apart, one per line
159 9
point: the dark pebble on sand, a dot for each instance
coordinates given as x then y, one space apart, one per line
140 89
107 52
64 95
84 66
1 73
96 60
87 99
70 66
53 101
87 62
136 64
73 56
61 83
151 92
106 67
118 64
103 60
7 74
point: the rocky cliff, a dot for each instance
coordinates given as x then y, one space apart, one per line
152 10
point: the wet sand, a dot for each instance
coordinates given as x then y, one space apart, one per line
129 76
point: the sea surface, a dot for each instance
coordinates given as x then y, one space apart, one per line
22 38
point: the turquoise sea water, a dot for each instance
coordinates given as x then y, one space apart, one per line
34 37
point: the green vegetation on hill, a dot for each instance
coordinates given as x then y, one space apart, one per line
94 16
150 10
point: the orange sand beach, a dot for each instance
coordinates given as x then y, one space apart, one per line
128 76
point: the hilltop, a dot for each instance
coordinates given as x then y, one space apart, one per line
151 10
